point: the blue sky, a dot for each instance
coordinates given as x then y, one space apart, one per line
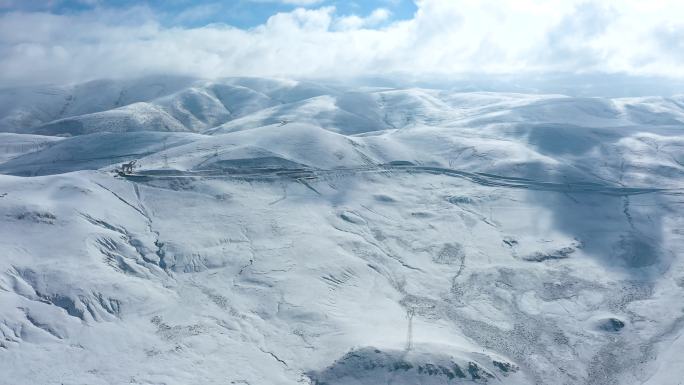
196 13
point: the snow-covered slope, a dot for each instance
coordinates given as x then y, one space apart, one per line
303 233
14 145
153 104
23 108
90 152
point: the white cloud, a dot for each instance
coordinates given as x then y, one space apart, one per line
443 38
376 18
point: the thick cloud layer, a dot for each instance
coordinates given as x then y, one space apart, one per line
630 37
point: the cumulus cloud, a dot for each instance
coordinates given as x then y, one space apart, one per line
443 38
376 18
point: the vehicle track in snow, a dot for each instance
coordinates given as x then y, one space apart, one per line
309 175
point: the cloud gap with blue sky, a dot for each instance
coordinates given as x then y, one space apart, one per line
198 13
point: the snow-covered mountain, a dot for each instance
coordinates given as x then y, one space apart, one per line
284 232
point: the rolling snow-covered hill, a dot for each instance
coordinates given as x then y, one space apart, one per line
284 232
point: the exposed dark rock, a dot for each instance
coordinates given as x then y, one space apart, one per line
373 367
611 325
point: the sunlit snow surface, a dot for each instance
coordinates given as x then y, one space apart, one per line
281 232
